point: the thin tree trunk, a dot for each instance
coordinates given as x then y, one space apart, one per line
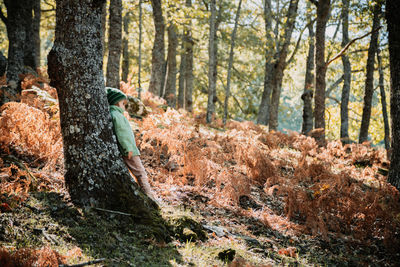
393 22
281 65
95 173
114 43
189 77
158 53
323 8
369 81
36 30
170 91
230 64
140 49
344 106
211 64
125 49
308 93
384 104
182 78
263 112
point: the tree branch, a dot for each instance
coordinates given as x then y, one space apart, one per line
334 85
343 51
84 263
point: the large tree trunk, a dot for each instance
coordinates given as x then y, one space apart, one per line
125 49
383 102
158 53
280 65
36 30
3 64
114 43
308 93
95 173
323 8
211 64
369 81
344 106
393 22
230 63
170 90
263 112
103 28
29 45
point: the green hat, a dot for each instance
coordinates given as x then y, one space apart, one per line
114 95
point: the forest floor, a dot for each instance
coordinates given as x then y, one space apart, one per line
233 196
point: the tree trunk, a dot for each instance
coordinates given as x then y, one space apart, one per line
384 105
140 49
344 106
393 22
36 30
263 112
125 49
230 64
189 77
170 91
103 29
308 93
158 53
3 64
211 65
114 43
17 11
29 45
95 173
323 8
369 81
280 65
182 78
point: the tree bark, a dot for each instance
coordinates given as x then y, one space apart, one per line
114 43
189 77
3 64
230 63
16 24
211 64
344 106
125 49
308 93
393 22
383 103
95 173
182 78
36 30
369 81
170 90
140 49
103 29
158 53
29 45
280 65
263 112
323 8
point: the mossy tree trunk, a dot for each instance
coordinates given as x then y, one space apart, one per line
393 22
114 43
95 173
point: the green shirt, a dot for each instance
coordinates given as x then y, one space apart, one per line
123 132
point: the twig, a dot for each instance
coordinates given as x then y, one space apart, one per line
113 211
341 53
83 263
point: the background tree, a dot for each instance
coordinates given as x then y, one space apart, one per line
95 173
158 53
323 9
212 63
370 68
170 90
308 93
114 43
393 22
383 102
344 104
125 49
36 30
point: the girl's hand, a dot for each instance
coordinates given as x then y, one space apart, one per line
130 155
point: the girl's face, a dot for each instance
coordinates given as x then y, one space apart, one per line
122 104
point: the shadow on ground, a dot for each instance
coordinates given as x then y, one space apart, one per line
99 234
